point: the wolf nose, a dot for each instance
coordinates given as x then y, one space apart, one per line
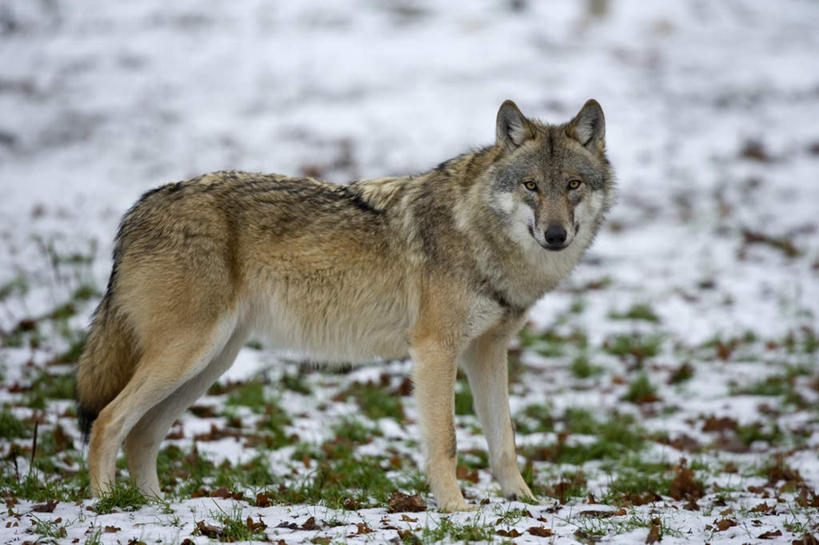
555 235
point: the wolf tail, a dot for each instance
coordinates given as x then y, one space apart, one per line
106 363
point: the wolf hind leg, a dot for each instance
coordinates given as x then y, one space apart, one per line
143 442
171 359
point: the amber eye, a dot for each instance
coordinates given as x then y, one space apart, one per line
530 185
574 184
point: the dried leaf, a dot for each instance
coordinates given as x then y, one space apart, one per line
724 524
602 514
207 530
654 534
263 500
540 531
684 486
509 533
463 472
719 424
407 537
47 507
400 502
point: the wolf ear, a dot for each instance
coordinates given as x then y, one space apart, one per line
512 128
589 126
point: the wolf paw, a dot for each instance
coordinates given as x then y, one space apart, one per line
518 491
456 505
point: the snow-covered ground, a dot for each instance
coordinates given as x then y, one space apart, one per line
710 258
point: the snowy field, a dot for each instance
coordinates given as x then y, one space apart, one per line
668 390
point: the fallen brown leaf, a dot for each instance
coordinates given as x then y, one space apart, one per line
47 507
654 533
509 533
602 514
713 423
684 486
400 502
724 524
208 530
540 531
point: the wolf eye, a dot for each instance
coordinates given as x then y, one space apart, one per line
530 185
574 184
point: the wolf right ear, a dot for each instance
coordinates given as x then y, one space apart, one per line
513 129
589 126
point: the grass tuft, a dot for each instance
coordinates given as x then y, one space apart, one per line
641 311
123 496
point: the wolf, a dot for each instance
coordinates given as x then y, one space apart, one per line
441 266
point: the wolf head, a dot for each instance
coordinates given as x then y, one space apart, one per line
552 184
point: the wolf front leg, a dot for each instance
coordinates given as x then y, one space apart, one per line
433 375
485 363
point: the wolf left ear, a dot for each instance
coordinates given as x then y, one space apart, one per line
589 126
513 129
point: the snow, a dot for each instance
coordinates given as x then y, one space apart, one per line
102 101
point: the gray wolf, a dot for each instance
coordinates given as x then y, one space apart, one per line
441 266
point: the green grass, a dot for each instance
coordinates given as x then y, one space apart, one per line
85 292
757 431
451 531
251 395
642 312
639 347
16 287
463 398
614 437
72 353
11 427
552 344
473 459
641 390
48 386
632 475
47 529
95 538
376 401
122 496
614 526
343 477
339 477
183 472
771 386
272 426
54 386
534 418
254 474
683 373
296 382
562 487
356 431
46 481
581 367
235 527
